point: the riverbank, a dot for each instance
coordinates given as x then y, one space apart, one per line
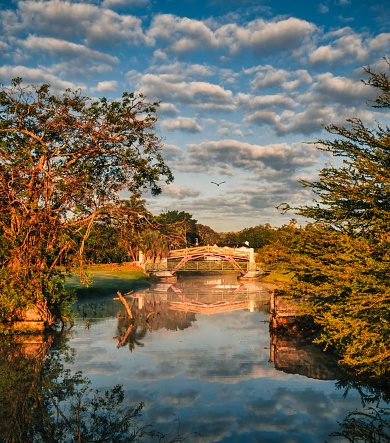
107 279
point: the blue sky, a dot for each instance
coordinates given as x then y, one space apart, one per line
243 85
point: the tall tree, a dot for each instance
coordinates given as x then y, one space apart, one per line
206 235
64 164
342 262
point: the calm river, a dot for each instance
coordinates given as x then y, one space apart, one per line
201 359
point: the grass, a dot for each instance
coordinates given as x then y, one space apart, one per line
278 277
107 280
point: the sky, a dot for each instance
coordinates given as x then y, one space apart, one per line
245 87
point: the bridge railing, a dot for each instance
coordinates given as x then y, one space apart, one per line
215 250
201 265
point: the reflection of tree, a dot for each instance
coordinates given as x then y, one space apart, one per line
42 401
131 332
370 389
152 316
370 426
20 396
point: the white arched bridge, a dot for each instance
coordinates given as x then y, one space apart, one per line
204 259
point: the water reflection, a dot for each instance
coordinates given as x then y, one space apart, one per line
294 355
202 352
371 425
173 306
41 401
209 372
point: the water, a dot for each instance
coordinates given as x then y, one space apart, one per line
200 357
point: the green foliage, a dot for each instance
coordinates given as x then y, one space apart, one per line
257 236
180 226
355 196
345 278
206 235
64 163
342 263
104 245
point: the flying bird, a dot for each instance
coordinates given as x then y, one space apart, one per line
218 183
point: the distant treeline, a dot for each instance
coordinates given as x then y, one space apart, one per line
117 243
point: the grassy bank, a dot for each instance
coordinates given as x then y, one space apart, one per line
108 279
278 278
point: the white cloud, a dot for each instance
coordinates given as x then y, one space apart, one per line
108 85
198 94
167 109
265 101
380 42
82 68
67 20
36 76
268 76
179 71
178 192
63 48
323 8
263 37
252 157
342 89
125 3
181 124
173 154
349 47
4 46
182 35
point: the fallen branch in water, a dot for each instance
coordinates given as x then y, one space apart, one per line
123 300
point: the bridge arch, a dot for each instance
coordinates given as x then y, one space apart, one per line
176 259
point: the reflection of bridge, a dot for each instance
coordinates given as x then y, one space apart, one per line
205 299
206 258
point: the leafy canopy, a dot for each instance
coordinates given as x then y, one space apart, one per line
65 163
342 261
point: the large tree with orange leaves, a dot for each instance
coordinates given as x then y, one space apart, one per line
65 162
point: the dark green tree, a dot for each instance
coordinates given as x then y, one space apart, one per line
342 262
64 164
182 223
206 235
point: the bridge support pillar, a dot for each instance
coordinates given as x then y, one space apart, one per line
252 273
165 276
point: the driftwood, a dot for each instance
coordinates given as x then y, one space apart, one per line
124 301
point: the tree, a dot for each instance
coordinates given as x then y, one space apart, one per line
182 223
342 261
356 196
206 235
168 230
258 236
116 237
64 164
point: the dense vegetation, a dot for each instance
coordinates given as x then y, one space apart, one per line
342 261
153 235
64 163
